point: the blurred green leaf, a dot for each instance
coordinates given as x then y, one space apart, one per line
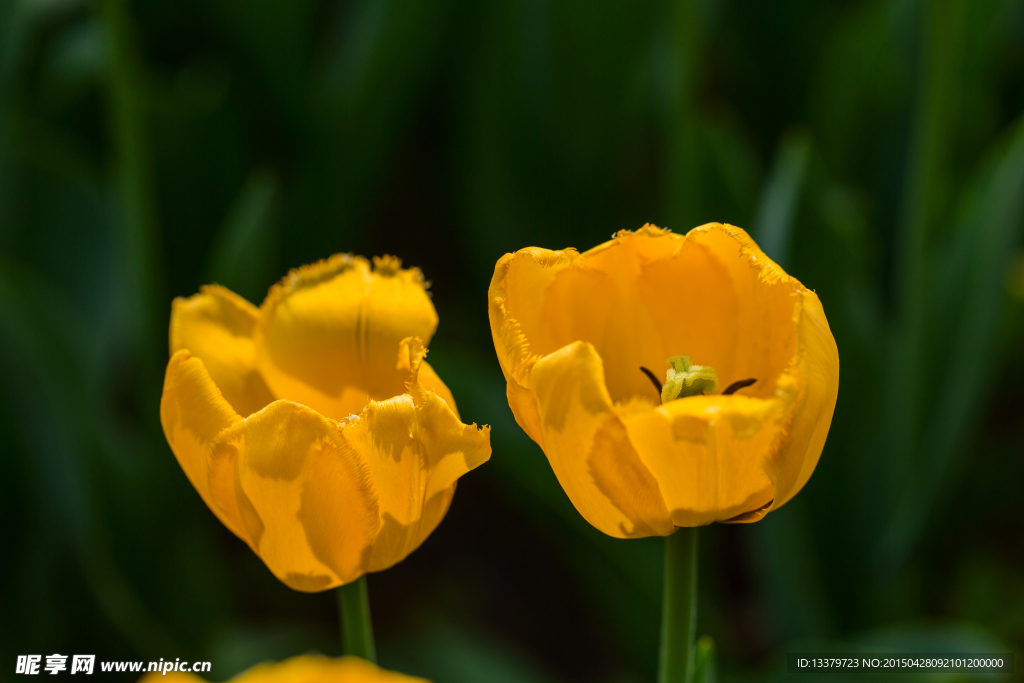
44 366
686 205
133 174
242 257
705 665
780 196
925 198
791 573
862 85
972 273
737 165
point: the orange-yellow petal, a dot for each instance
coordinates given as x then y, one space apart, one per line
302 669
416 449
328 334
305 496
588 446
812 383
522 276
707 453
430 381
515 303
193 412
216 326
412 355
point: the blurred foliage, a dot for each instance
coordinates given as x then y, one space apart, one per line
874 148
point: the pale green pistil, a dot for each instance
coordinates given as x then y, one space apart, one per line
686 379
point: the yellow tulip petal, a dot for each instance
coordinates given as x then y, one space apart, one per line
610 288
765 329
526 273
193 413
707 453
524 407
416 449
813 385
303 669
519 323
411 360
588 447
304 494
430 381
216 326
328 333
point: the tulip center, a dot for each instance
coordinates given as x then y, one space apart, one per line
686 379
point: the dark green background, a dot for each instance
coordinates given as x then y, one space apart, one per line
875 149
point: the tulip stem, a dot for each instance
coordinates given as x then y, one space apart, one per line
356 629
679 608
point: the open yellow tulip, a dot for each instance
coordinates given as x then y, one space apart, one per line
304 669
312 426
574 331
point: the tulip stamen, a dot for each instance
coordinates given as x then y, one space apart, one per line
736 386
651 376
686 379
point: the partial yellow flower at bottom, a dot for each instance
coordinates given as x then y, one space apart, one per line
311 426
305 669
751 375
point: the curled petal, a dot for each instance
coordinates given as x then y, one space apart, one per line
589 448
193 412
216 326
429 380
416 449
515 300
412 359
328 333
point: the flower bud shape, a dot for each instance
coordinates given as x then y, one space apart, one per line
312 426
303 669
751 375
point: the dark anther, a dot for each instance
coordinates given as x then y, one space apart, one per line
651 376
736 386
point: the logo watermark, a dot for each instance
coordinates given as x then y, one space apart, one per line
33 665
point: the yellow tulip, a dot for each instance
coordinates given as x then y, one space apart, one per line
572 332
312 426
304 669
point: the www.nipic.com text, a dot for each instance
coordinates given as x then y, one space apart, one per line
86 664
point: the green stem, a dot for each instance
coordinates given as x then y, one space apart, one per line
679 608
356 629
